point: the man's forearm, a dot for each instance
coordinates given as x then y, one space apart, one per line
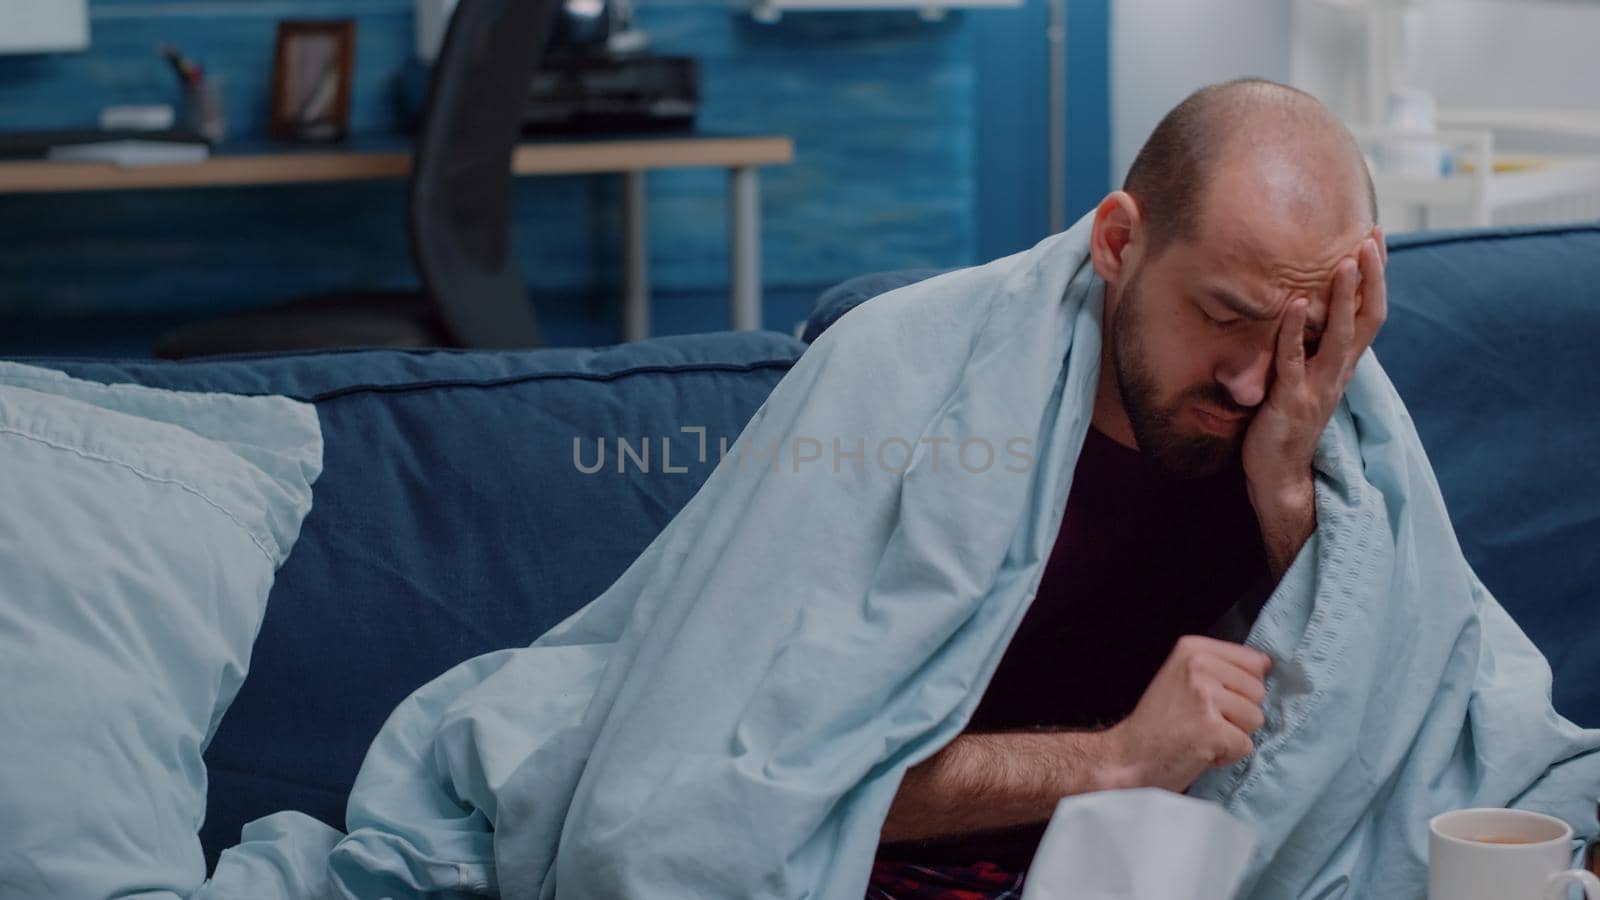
1288 516
985 781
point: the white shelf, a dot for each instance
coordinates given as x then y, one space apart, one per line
1565 122
1513 189
772 10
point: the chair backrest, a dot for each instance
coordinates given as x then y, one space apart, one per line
461 180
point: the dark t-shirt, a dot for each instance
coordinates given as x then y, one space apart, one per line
1141 560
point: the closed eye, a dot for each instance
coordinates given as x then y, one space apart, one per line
1220 323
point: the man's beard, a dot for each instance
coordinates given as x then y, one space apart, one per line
1182 453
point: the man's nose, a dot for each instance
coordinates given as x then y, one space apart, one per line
1247 376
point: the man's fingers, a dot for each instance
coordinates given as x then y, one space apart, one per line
1249 659
1244 682
1232 747
1245 716
1341 331
1291 367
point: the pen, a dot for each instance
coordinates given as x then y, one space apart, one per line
187 71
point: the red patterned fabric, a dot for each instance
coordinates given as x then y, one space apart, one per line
976 881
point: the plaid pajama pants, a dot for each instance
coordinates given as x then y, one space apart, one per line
910 881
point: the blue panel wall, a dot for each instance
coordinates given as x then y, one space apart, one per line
1013 95
895 121
1088 104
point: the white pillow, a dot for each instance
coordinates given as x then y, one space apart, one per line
140 530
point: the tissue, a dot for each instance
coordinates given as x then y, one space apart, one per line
1144 844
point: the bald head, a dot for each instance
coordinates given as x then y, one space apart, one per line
1249 137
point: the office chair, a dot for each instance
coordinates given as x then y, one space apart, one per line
473 291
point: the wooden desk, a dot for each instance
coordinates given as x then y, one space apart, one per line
365 159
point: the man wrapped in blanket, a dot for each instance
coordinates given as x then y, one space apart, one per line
1244 273
1228 572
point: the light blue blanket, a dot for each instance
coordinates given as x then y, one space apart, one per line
733 716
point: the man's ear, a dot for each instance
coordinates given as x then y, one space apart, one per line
1116 227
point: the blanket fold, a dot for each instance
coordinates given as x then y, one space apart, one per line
733 716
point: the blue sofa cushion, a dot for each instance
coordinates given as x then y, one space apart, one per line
847 295
450 520
1491 341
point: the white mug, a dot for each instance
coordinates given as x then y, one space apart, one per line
1502 854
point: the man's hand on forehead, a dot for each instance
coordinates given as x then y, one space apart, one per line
1305 390
1317 317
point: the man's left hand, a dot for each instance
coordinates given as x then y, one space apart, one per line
1282 438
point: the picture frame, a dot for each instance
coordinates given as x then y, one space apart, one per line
312 78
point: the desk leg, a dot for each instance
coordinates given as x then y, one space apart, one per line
745 199
636 257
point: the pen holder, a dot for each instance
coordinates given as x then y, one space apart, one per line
203 110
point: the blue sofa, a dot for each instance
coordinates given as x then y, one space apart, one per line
452 517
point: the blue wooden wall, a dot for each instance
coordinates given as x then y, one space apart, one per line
895 120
